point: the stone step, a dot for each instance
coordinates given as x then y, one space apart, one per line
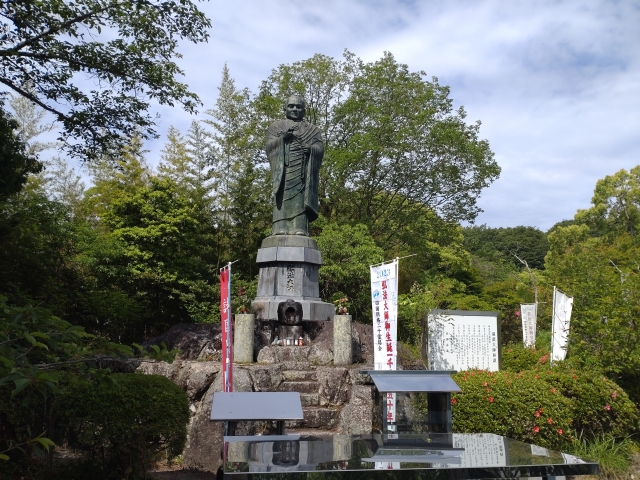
302 387
300 366
299 375
310 399
293 353
317 417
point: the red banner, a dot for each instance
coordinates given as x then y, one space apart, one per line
227 334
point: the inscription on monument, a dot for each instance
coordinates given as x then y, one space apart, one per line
463 340
291 275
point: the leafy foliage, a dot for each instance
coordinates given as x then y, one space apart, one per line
15 161
528 243
125 47
545 406
518 406
123 425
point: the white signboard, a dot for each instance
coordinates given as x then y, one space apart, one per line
384 304
529 314
463 340
562 306
480 450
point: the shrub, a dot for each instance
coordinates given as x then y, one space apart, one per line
536 405
599 405
124 424
518 406
516 358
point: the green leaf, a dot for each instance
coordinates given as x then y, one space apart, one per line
45 442
4 457
29 338
21 384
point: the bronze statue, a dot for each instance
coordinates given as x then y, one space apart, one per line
295 149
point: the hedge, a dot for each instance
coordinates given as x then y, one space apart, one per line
123 425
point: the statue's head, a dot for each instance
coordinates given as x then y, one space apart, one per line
294 108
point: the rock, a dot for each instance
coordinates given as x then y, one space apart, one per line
266 379
268 355
168 370
321 355
333 385
196 341
362 337
204 443
195 378
317 417
357 417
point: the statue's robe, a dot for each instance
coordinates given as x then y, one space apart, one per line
294 175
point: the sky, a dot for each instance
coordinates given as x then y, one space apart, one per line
555 84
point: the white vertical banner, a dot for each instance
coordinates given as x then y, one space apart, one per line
529 315
384 304
561 318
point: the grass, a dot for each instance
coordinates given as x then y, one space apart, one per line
614 455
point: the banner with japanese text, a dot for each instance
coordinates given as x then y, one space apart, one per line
227 333
384 304
529 314
561 318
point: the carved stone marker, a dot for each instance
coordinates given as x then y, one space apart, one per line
289 259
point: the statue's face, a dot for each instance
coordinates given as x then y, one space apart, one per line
294 110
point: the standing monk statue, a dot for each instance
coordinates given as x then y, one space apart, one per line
295 150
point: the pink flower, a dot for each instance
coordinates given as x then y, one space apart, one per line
541 410
607 407
490 399
454 401
537 376
484 384
537 414
536 429
473 374
553 390
614 395
517 314
560 431
550 420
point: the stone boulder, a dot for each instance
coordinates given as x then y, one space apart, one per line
196 341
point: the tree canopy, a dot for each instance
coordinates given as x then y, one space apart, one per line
124 48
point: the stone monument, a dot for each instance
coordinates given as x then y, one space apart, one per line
289 259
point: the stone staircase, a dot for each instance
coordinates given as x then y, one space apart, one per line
318 414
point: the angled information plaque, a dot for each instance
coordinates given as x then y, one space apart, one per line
247 406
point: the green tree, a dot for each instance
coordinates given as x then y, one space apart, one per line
616 205
504 244
16 164
603 277
347 252
125 47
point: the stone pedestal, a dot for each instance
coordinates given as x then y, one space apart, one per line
289 270
342 340
243 338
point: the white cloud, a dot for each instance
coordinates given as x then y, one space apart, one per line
556 84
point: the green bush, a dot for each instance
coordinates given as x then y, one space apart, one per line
600 406
125 424
551 407
519 406
516 358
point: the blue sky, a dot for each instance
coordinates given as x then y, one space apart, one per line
556 84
